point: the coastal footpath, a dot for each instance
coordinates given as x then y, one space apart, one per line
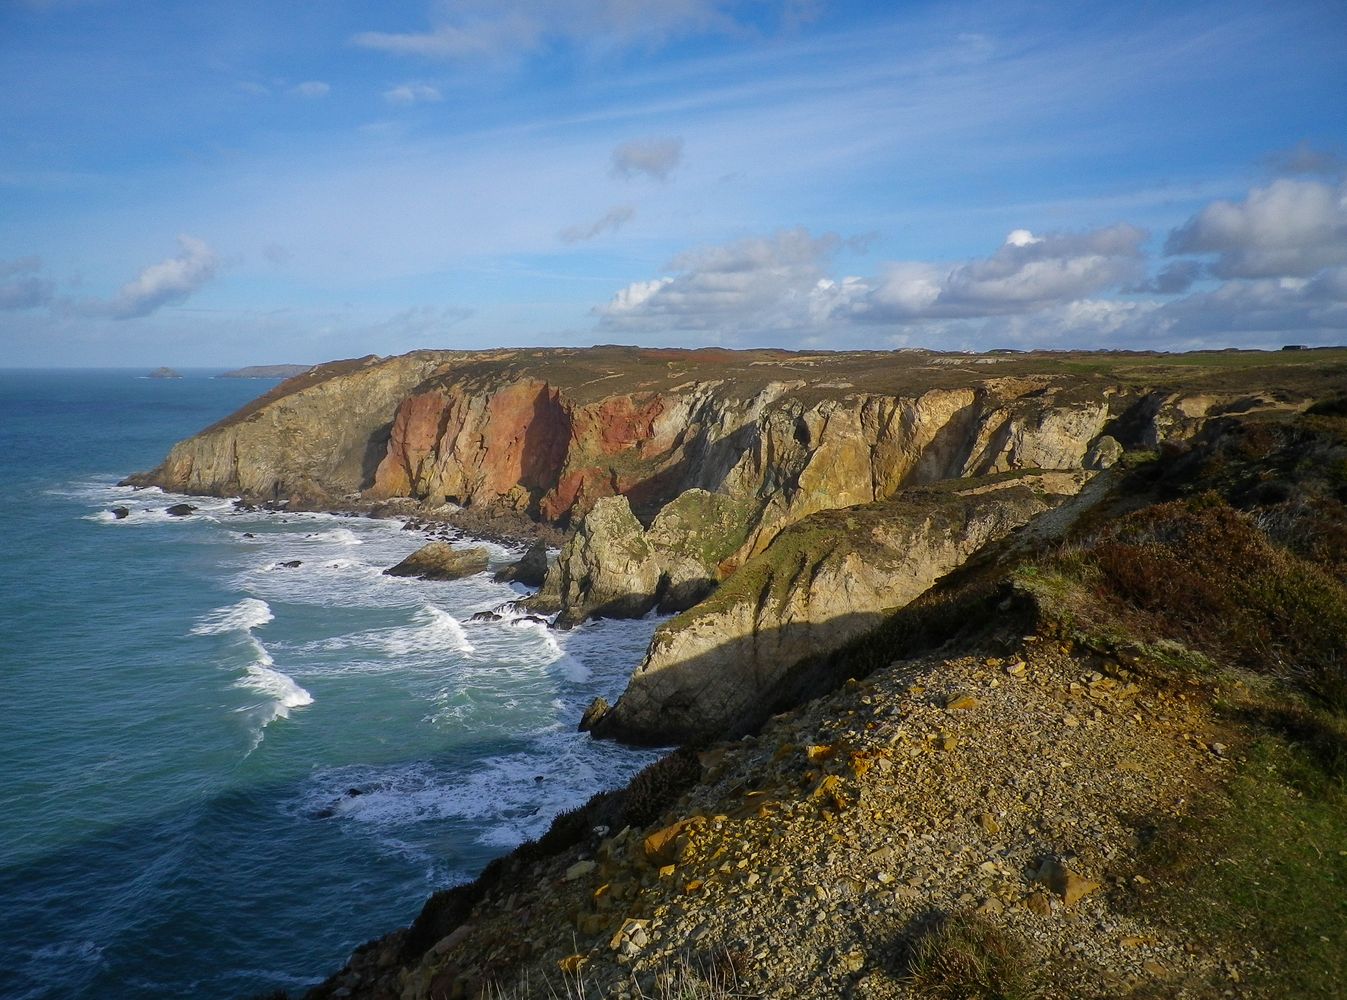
972 655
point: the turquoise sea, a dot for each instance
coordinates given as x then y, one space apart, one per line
218 773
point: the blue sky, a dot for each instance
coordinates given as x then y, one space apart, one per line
220 183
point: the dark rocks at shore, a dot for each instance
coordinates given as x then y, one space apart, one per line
180 510
530 570
292 563
597 709
440 561
121 513
486 616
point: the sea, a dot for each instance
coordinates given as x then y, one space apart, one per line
220 773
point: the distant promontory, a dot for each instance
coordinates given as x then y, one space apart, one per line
164 373
267 371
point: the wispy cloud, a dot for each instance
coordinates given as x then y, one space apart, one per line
407 94
168 282
655 157
22 285
486 29
613 219
311 89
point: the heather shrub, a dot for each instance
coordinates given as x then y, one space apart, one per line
1201 573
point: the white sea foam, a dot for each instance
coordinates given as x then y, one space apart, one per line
244 616
336 536
280 688
433 631
509 798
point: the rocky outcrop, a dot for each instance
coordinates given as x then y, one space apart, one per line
607 570
531 570
691 537
612 568
822 582
441 561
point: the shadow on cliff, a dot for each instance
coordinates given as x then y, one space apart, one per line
972 604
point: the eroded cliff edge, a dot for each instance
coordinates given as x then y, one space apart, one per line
782 501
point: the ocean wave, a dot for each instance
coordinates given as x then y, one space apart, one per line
335 536
433 631
244 616
510 798
280 688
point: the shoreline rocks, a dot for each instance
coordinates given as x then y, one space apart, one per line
441 561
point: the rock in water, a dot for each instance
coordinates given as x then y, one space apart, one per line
180 510
597 709
531 570
164 373
121 513
441 561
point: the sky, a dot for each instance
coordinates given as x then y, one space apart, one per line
229 182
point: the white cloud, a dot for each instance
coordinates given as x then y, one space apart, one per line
656 157
311 89
487 29
1026 274
762 283
21 284
613 219
407 94
169 282
1290 228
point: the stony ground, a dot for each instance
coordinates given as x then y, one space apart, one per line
1016 784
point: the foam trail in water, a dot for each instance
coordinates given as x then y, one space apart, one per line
265 679
244 616
435 631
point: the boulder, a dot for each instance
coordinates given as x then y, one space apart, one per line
291 563
1104 453
121 513
441 561
531 570
180 510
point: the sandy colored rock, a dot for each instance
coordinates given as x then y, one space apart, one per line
441 561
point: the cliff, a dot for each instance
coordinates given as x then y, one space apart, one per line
1096 769
827 579
315 437
813 490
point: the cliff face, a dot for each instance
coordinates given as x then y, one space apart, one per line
315 437
786 479
822 582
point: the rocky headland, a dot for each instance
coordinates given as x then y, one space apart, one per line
266 371
957 639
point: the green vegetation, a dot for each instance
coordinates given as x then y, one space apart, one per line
962 957
1260 870
1201 575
